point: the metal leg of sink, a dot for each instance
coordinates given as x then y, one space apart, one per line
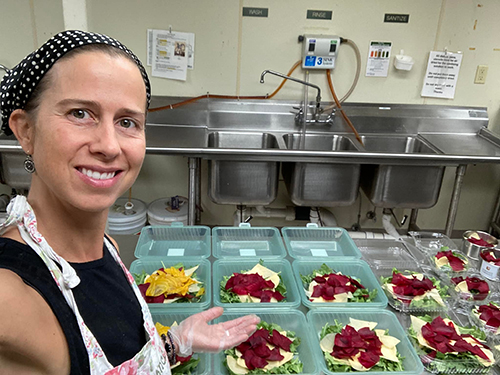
455 197
412 225
198 191
193 170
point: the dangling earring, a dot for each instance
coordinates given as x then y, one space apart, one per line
29 164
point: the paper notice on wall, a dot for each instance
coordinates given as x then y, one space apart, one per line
190 47
442 74
379 56
169 53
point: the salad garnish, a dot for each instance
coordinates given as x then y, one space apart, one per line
359 346
258 285
269 350
168 285
473 287
447 260
476 240
415 289
448 347
184 365
489 315
324 285
489 256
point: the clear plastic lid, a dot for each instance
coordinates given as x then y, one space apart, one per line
487 316
247 241
431 242
176 240
315 242
382 253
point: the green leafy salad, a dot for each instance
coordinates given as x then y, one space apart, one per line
359 346
414 291
446 347
326 285
258 285
270 350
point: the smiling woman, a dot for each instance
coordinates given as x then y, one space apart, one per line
77 106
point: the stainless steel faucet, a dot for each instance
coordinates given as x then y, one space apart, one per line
318 96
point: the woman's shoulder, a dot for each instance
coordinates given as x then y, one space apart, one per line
10 235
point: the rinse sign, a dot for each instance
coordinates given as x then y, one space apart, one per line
319 14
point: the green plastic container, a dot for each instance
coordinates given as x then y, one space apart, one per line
289 320
226 267
354 268
385 319
314 242
167 319
176 240
245 241
151 264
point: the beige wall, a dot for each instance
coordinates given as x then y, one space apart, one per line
231 52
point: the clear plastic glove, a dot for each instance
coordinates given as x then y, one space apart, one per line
194 334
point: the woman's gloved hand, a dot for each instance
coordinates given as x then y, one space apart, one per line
194 334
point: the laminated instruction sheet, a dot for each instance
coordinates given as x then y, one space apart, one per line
379 55
442 74
170 53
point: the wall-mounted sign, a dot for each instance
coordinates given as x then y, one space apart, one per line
379 55
255 12
442 74
397 18
319 14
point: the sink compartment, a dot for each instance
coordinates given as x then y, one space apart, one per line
242 182
321 184
401 186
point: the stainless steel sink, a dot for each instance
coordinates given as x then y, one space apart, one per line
243 182
401 186
321 184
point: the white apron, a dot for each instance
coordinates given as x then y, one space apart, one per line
151 359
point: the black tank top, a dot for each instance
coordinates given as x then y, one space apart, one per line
104 297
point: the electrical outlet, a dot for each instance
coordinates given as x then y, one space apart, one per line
481 72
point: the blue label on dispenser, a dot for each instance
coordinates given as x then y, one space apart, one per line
310 61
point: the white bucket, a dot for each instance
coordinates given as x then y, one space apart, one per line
160 212
126 217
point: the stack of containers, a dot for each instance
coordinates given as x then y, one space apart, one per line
166 246
311 247
239 249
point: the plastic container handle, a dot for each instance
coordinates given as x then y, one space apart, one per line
244 225
177 224
311 225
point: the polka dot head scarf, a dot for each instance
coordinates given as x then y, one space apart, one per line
18 83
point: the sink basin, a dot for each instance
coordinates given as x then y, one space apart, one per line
401 186
321 184
242 182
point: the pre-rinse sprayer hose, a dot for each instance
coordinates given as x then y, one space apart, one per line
337 104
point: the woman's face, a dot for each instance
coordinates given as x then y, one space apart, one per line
88 143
